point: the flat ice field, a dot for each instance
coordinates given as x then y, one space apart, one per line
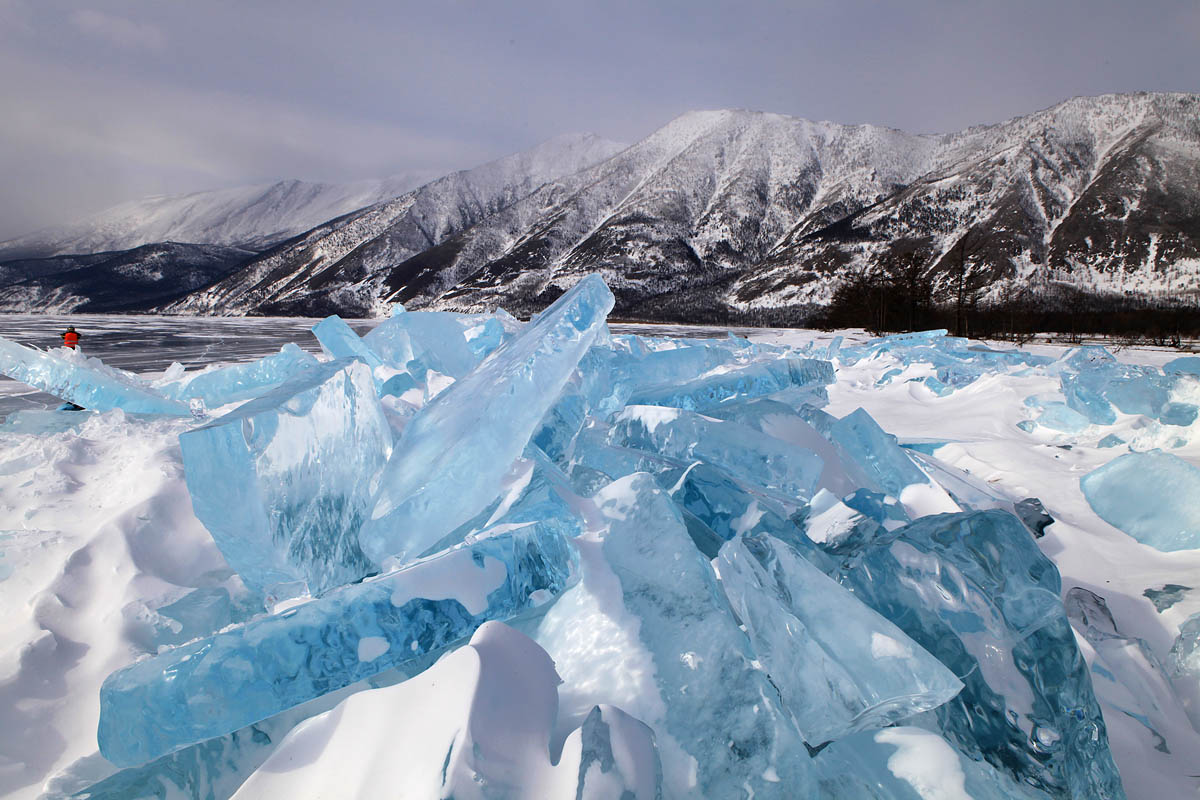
463 556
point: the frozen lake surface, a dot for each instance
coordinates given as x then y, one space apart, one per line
153 343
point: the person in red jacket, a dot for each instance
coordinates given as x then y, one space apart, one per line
70 338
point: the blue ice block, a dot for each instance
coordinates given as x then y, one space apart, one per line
1084 393
339 340
453 456
840 667
1061 417
1183 414
1154 497
213 686
435 338
610 375
753 380
974 590
720 710
87 382
726 508
220 386
283 482
1184 365
911 763
876 452
1141 689
785 472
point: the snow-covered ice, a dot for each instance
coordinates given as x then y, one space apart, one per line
630 563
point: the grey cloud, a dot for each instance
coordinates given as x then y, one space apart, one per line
245 92
118 31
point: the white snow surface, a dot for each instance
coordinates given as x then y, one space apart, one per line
97 531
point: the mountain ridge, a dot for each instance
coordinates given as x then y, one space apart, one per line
726 213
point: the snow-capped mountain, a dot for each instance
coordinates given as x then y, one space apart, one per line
731 212
724 215
252 217
339 265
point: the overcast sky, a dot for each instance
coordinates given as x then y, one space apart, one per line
112 100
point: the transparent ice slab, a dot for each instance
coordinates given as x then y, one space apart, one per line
220 386
753 380
753 457
720 710
217 685
840 666
452 457
87 382
283 482
1154 497
974 590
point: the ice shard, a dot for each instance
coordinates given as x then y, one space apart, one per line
283 482
753 380
452 457
1154 497
435 338
1184 365
876 452
719 709
87 382
216 685
1140 686
786 472
339 340
1184 659
974 590
220 386
911 763
611 375
839 665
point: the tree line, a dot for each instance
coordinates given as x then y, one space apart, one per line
903 292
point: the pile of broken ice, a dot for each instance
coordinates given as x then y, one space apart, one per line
742 595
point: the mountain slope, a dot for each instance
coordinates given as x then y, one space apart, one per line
124 281
330 266
730 213
252 217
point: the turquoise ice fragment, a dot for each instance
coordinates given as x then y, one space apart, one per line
840 666
217 685
88 382
1061 417
435 338
1184 365
238 382
753 380
786 472
339 340
453 456
1154 497
876 452
976 592
283 482
910 763
720 709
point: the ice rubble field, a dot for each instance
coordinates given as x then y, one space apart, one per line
466 556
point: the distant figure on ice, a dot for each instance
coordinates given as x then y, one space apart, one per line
70 338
